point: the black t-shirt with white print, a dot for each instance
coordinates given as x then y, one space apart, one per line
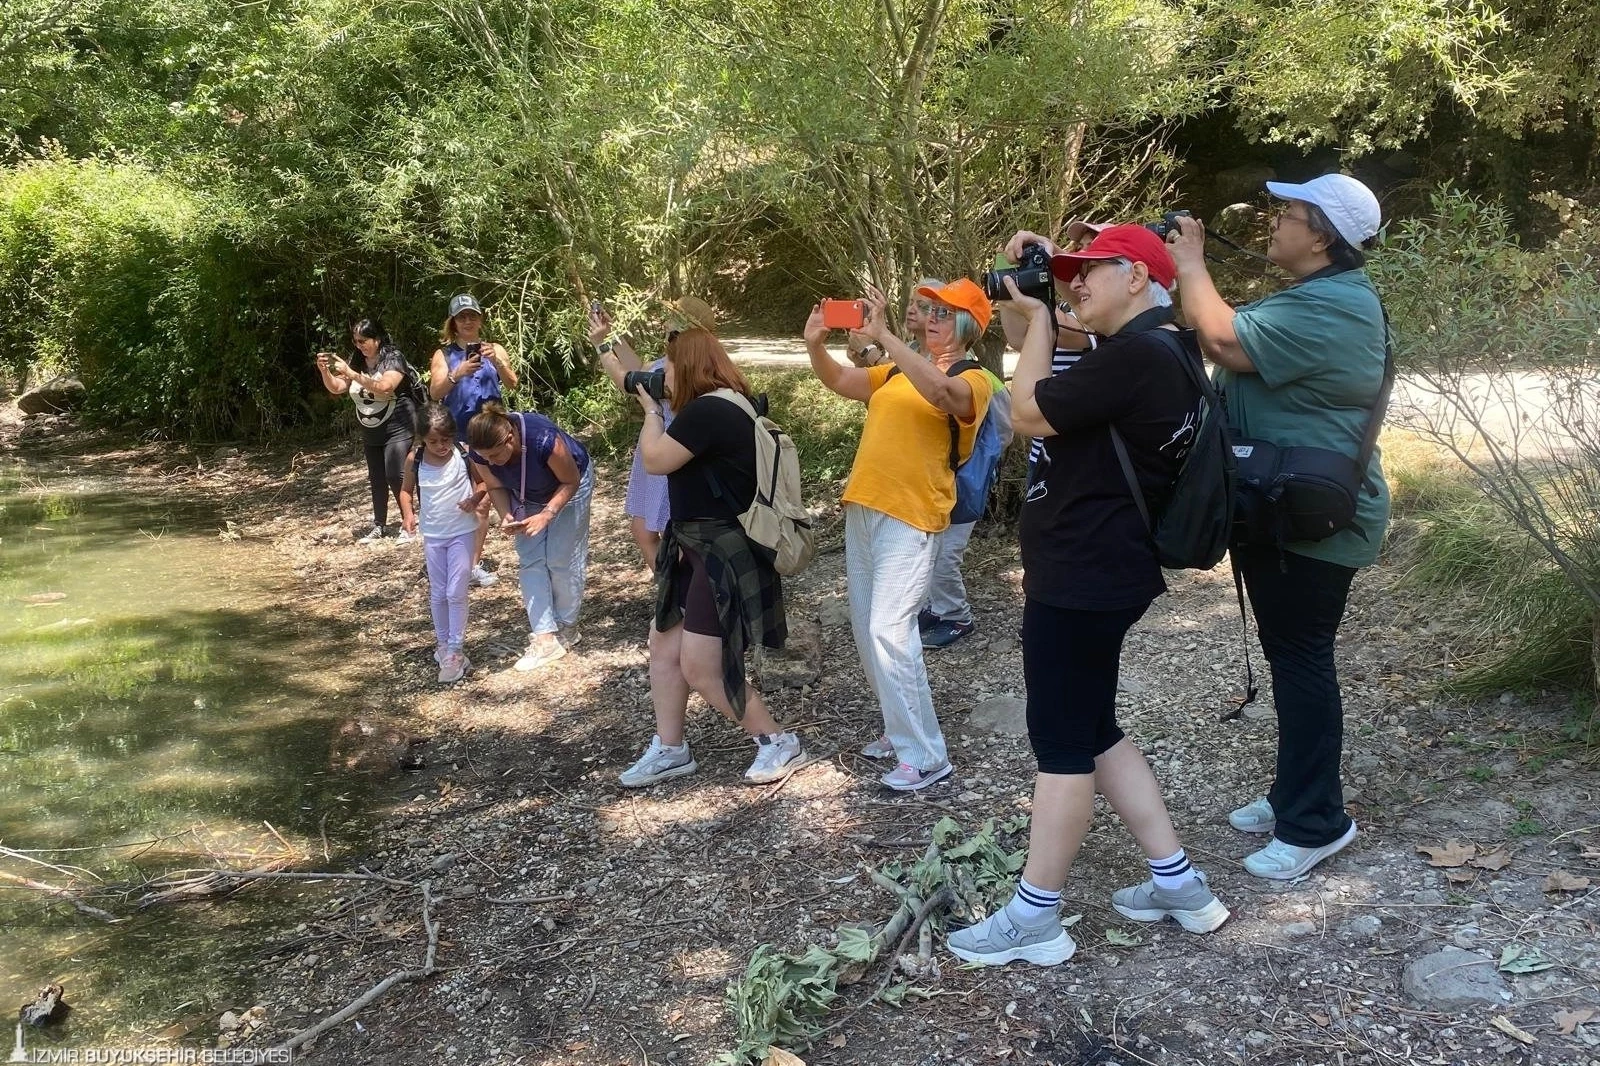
1084 543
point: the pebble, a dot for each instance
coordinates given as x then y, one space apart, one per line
1428 897
1360 927
1298 929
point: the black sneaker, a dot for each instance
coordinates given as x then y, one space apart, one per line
926 620
945 633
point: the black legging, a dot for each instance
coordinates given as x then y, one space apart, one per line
386 466
1069 664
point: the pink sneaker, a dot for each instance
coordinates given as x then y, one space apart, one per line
907 778
452 668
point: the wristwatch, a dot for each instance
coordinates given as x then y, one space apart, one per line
605 346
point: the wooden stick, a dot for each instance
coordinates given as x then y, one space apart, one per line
65 894
304 1036
287 846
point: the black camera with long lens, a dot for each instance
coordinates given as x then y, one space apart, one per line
1168 224
1032 276
654 382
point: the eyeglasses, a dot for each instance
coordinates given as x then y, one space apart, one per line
1282 215
923 307
940 313
1083 271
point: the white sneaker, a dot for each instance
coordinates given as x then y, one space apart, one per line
998 940
1254 817
1285 862
543 649
404 537
453 668
658 763
373 536
907 778
777 756
878 749
481 577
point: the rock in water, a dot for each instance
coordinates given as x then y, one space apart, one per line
56 395
1453 979
50 1006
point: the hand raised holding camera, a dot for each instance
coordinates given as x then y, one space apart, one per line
1022 239
1021 301
1186 240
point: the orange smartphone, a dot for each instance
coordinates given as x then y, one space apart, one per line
844 314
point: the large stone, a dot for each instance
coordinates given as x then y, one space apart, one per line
834 611
1452 979
799 663
1000 714
54 396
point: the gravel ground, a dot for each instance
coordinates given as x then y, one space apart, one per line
582 923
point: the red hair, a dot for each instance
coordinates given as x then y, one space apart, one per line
700 364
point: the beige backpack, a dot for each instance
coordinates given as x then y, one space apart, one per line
777 518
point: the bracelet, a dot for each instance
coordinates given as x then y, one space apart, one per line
657 412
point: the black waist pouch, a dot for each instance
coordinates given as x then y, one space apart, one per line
1293 494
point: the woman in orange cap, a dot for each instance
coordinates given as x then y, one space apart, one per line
898 502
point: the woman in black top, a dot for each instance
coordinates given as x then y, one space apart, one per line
387 416
716 591
1089 573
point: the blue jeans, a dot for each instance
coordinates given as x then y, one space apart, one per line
551 564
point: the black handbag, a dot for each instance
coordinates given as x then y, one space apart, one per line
1288 494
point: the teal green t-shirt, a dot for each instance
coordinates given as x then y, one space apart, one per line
1318 353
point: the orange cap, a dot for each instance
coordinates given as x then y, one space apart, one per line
964 294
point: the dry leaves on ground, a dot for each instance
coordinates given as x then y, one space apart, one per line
1567 1021
1561 881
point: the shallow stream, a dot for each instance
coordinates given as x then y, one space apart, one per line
163 706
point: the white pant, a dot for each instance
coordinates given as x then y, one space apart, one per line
947 593
888 565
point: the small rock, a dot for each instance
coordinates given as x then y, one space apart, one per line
1428 897
226 453
834 611
1453 979
1361 927
1256 1038
1298 929
445 861
1006 715
968 797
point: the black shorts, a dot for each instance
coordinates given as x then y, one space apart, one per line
698 601
1070 661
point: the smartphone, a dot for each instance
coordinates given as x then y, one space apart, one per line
474 348
844 314
594 305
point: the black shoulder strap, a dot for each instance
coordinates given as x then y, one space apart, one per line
1381 407
954 370
1174 344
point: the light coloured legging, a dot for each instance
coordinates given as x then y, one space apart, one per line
947 593
449 561
889 564
551 564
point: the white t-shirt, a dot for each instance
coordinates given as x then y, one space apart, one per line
442 489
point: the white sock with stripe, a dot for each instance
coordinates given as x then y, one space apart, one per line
1172 872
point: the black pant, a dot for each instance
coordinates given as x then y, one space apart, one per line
386 465
1298 604
1069 663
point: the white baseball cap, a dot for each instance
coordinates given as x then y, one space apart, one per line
1349 205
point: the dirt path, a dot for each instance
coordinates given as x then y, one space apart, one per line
646 904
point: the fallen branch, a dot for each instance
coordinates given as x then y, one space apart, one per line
199 884
65 894
938 901
362 1001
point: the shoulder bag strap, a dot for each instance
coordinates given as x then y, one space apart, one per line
1381 406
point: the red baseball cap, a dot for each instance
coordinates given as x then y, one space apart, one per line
1137 244
966 295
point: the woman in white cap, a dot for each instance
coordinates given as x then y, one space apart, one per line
1303 367
467 372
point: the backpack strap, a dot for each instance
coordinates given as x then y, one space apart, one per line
748 408
954 370
1380 407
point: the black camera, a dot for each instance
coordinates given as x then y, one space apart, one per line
1032 276
1168 224
654 382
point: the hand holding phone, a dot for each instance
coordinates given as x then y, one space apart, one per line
844 314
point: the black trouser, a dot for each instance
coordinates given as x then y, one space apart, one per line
386 465
1298 604
1069 663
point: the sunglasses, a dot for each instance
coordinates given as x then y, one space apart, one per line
923 307
941 313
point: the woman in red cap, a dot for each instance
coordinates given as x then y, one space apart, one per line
898 501
1089 573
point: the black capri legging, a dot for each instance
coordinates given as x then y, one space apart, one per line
1069 662
386 468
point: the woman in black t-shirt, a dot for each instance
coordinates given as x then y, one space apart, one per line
1089 573
386 414
716 590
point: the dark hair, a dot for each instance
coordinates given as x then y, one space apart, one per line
372 330
435 417
490 427
1341 252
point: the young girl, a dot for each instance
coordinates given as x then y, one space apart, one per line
441 495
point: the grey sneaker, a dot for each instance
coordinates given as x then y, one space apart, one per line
997 940
373 536
1254 817
1193 906
878 749
777 756
543 649
453 667
658 763
1285 862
